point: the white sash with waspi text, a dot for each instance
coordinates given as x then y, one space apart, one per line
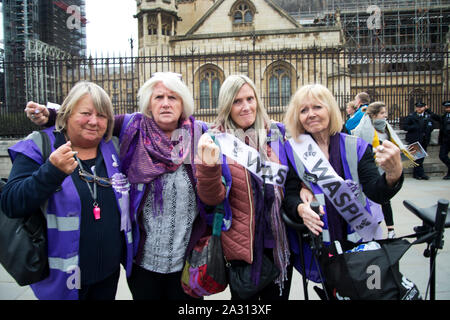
335 188
248 157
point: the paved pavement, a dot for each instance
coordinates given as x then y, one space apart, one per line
413 264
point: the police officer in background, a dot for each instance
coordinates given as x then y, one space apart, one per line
444 138
419 125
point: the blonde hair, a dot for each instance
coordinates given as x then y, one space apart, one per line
322 95
171 81
227 94
101 100
352 104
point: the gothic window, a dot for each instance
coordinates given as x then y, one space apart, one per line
242 14
209 89
279 87
152 26
166 29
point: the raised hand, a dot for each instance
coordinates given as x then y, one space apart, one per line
63 158
208 152
37 113
387 157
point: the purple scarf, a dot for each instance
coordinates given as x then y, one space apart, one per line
147 152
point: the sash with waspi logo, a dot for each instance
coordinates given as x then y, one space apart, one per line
248 157
335 188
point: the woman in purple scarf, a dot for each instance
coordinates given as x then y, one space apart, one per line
157 150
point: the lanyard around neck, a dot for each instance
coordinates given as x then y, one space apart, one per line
92 190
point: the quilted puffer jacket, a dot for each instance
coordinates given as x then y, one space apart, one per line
237 242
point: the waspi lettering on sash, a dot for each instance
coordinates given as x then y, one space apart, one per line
338 191
248 157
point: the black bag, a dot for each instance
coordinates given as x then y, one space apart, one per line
23 241
367 275
240 279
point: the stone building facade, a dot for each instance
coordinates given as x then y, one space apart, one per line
207 40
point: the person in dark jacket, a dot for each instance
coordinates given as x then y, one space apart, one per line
160 167
88 228
444 138
419 126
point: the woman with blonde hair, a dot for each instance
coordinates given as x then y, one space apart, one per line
254 233
338 168
83 193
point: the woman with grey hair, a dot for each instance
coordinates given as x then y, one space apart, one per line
156 150
253 232
157 154
81 189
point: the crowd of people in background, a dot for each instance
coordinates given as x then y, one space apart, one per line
369 121
172 174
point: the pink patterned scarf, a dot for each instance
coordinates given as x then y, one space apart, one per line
147 152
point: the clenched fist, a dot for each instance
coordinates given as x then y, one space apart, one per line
208 152
37 113
387 157
63 158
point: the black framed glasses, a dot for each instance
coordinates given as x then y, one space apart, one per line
87 177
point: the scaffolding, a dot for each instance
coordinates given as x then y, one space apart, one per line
43 71
31 27
386 25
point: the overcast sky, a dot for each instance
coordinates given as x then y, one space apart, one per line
110 26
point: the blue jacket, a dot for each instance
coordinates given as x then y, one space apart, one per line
353 122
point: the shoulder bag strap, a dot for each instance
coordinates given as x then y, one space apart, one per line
36 222
46 145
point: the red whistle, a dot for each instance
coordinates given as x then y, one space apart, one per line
96 213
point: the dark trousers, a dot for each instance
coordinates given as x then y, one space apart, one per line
272 291
103 290
443 155
387 212
419 171
148 285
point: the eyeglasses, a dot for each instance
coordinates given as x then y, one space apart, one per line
87 177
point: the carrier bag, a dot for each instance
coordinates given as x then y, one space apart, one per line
367 271
204 270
